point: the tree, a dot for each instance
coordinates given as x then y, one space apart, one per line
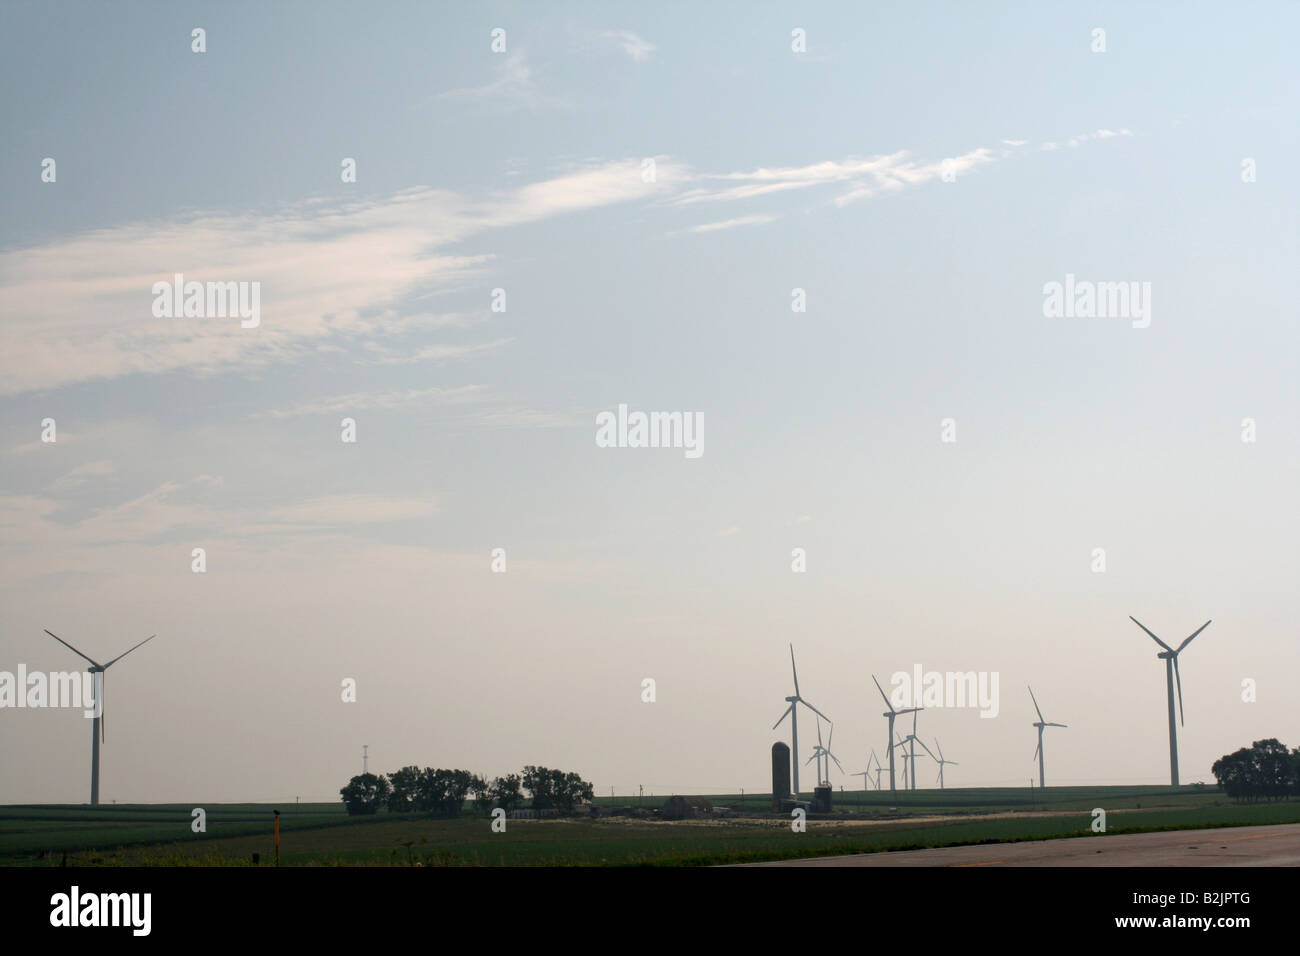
1266 770
405 785
1272 767
555 789
505 792
537 781
364 793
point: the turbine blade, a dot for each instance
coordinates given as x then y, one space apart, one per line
1189 640
783 716
819 732
1056 725
1179 678
926 749
940 749
1153 637
831 739
1036 749
882 693
124 653
1035 700
837 762
810 759
795 671
910 710
814 710
71 648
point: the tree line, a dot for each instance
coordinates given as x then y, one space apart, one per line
1265 771
444 792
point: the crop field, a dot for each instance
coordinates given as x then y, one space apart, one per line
322 834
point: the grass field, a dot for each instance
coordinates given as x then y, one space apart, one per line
322 834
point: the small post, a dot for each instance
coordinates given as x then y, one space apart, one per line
277 837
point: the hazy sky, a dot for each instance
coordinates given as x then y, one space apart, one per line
921 172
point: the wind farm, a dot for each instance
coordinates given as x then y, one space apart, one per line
355 376
880 816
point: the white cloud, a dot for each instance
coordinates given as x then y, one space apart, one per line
631 44
331 275
757 220
333 510
512 87
83 473
360 401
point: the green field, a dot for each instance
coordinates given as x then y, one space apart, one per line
322 834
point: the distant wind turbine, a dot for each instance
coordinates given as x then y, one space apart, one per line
793 712
942 761
97 731
825 754
889 741
1040 724
1170 657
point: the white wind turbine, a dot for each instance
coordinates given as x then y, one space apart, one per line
821 754
909 780
866 774
912 740
942 761
889 741
793 712
1170 657
97 732
1040 724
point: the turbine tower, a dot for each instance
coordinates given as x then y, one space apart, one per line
889 741
793 712
912 740
1170 657
942 761
825 754
1040 724
97 727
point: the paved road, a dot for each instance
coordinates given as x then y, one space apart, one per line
1277 845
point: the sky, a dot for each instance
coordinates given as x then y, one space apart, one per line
825 234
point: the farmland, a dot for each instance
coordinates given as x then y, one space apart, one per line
323 834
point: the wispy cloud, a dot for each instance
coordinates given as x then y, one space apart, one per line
756 220
393 398
631 44
512 86
84 473
331 274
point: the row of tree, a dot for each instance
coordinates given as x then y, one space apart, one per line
1265 771
445 792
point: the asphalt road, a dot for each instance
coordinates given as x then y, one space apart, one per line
1277 845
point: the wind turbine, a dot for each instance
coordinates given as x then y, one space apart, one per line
97 732
828 754
793 712
1040 724
1170 657
912 740
879 768
909 779
821 753
942 761
889 741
